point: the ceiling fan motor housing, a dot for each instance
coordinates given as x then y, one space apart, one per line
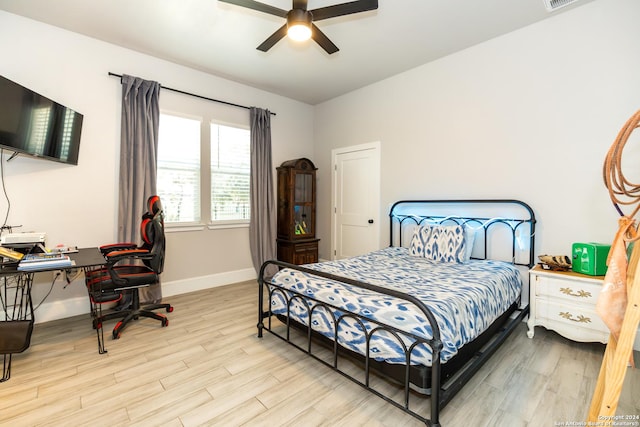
298 17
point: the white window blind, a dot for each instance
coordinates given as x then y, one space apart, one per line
178 177
230 169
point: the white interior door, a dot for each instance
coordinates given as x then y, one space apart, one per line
356 200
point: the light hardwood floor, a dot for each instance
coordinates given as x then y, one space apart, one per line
209 368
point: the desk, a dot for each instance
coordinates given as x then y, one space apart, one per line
16 306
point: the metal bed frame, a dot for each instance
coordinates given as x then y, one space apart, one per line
402 215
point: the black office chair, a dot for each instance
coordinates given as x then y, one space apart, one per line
129 268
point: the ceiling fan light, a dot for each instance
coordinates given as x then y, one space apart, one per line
299 25
299 32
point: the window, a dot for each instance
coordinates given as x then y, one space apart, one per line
196 163
179 168
230 157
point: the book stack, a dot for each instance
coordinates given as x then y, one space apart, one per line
44 261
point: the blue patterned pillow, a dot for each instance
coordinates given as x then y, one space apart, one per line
420 236
441 243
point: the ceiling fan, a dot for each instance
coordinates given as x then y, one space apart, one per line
300 21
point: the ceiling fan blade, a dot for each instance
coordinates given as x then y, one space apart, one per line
300 4
323 40
344 9
273 39
260 7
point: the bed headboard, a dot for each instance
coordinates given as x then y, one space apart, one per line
505 229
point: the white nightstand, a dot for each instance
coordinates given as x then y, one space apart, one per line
566 303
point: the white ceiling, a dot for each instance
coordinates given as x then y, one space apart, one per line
221 39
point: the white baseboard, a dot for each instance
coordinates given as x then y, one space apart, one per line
193 284
61 309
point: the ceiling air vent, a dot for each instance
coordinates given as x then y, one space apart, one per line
552 5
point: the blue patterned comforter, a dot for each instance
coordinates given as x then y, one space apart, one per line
464 298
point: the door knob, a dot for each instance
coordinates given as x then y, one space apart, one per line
370 221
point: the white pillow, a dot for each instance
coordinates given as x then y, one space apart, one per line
441 243
469 239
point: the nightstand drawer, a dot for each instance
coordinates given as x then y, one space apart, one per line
584 317
581 292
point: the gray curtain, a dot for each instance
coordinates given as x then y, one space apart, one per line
262 225
138 160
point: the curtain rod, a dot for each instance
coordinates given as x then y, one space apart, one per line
197 96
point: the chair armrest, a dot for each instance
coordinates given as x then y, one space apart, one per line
106 249
116 256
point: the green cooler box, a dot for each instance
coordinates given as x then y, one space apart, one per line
590 258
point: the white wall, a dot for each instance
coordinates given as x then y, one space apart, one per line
529 115
77 204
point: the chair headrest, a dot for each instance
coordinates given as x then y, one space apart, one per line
154 204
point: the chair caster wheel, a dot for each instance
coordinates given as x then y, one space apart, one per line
165 322
170 309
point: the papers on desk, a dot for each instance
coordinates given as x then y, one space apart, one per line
32 262
62 249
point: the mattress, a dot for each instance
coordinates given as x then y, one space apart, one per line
464 299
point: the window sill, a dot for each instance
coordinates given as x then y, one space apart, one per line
230 224
177 228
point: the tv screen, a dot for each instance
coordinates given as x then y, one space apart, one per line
33 124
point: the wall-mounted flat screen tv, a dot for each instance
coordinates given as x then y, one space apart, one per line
33 124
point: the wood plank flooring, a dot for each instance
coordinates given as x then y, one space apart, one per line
209 368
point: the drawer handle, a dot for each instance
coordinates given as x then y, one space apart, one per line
580 293
579 319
